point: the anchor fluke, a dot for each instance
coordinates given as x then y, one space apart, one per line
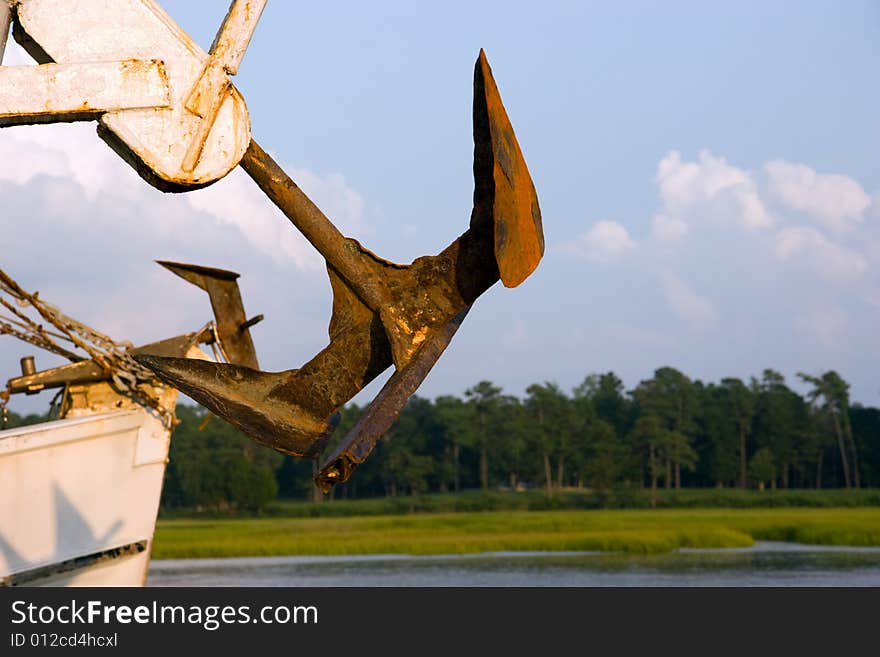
248 399
502 180
232 324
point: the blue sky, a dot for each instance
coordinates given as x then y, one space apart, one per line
706 172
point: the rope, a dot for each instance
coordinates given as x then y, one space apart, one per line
128 376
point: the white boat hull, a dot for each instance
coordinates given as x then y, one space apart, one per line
79 498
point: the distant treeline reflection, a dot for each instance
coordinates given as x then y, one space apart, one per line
669 432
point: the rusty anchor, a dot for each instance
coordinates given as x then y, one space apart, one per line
170 110
383 313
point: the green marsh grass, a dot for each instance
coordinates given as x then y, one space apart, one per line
629 531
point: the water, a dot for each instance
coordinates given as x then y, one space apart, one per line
764 564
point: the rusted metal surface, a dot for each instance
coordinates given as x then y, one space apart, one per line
88 371
113 363
519 235
233 327
384 409
28 366
383 313
27 577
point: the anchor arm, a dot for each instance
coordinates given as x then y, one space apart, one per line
233 327
384 409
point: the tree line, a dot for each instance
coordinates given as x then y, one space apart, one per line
668 432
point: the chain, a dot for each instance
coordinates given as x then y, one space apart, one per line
129 377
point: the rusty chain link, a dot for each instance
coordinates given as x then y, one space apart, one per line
127 375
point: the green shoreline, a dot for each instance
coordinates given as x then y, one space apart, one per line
629 531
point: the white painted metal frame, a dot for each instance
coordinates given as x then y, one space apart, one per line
186 135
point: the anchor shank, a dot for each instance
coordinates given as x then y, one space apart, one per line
341 253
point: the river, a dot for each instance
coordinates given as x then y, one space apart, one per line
764 564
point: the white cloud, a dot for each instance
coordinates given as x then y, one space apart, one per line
668 229
836 201
708 190
74 152
606 242
79 225
694 309
827 258
825 326
236 201
66 150
94 259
